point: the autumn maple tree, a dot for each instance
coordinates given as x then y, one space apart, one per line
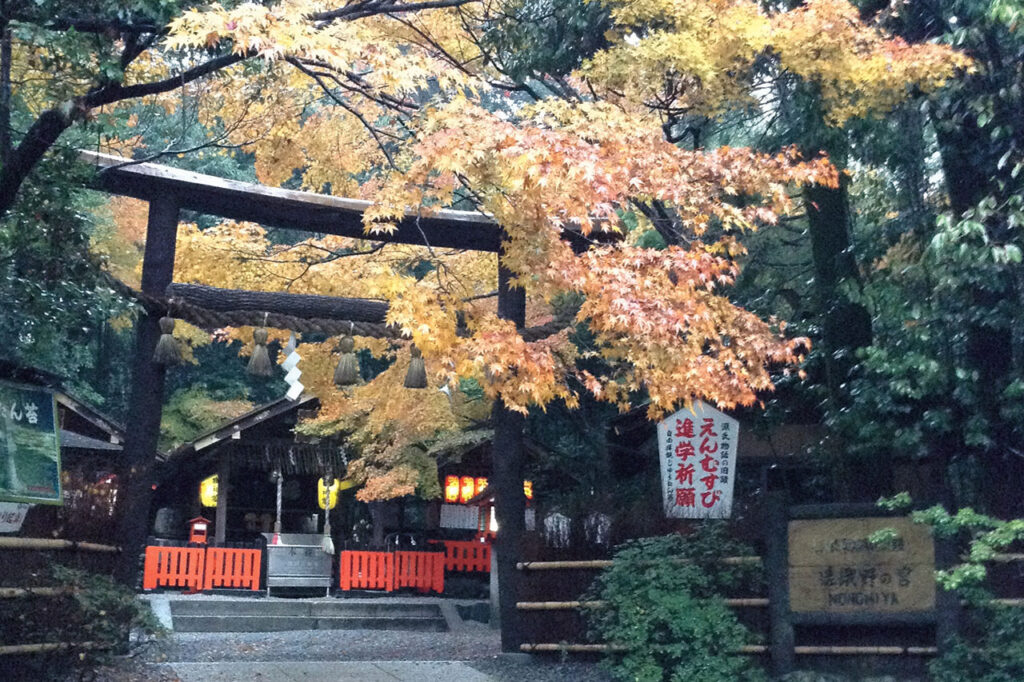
408 105
409 111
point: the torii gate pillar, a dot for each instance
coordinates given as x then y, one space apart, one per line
147 392
509 500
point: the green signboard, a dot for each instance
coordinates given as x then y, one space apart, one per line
29 446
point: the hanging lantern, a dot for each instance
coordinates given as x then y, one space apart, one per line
480 485
327 495
528 489
467 490
259 362
167 350
208 491
416 377
451 489
347 372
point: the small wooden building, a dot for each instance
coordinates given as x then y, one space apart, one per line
230 474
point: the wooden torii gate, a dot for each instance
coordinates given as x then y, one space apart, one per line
169 191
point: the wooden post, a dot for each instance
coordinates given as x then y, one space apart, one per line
223 486
495 592
509 499
147 392
776 560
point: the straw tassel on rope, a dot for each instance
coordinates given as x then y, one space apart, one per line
416 377
259 362
167 352
347 372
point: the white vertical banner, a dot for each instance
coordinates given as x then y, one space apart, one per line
698 462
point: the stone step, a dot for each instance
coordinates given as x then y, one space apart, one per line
283 623
302 609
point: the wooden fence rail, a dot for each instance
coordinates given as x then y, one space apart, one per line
750 602
22 592
49 647
51 544
749 649
597 564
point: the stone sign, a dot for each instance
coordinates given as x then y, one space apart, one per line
834 568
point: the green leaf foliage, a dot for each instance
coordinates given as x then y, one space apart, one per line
664 610
991 650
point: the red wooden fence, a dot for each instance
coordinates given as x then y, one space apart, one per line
390 571
232 568
204 568
466 555
173 567
423 571
366 570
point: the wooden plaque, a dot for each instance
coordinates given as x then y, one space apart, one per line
833 568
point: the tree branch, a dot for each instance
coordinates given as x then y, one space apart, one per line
369 8
49 125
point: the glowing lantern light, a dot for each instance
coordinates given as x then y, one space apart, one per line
481 485
323 491
528 489
451 489
208 491
468 489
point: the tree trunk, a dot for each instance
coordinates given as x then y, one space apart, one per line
5 93
847 325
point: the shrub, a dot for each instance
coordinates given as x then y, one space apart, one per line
989 649
97 611
668 616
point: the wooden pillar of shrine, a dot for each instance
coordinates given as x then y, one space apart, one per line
509 500
147 392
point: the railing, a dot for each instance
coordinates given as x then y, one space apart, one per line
366 570
389 571
232 568
173 567
206 568
466 555
423 571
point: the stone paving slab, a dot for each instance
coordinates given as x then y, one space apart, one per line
334 671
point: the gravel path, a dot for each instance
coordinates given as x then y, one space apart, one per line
476 644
